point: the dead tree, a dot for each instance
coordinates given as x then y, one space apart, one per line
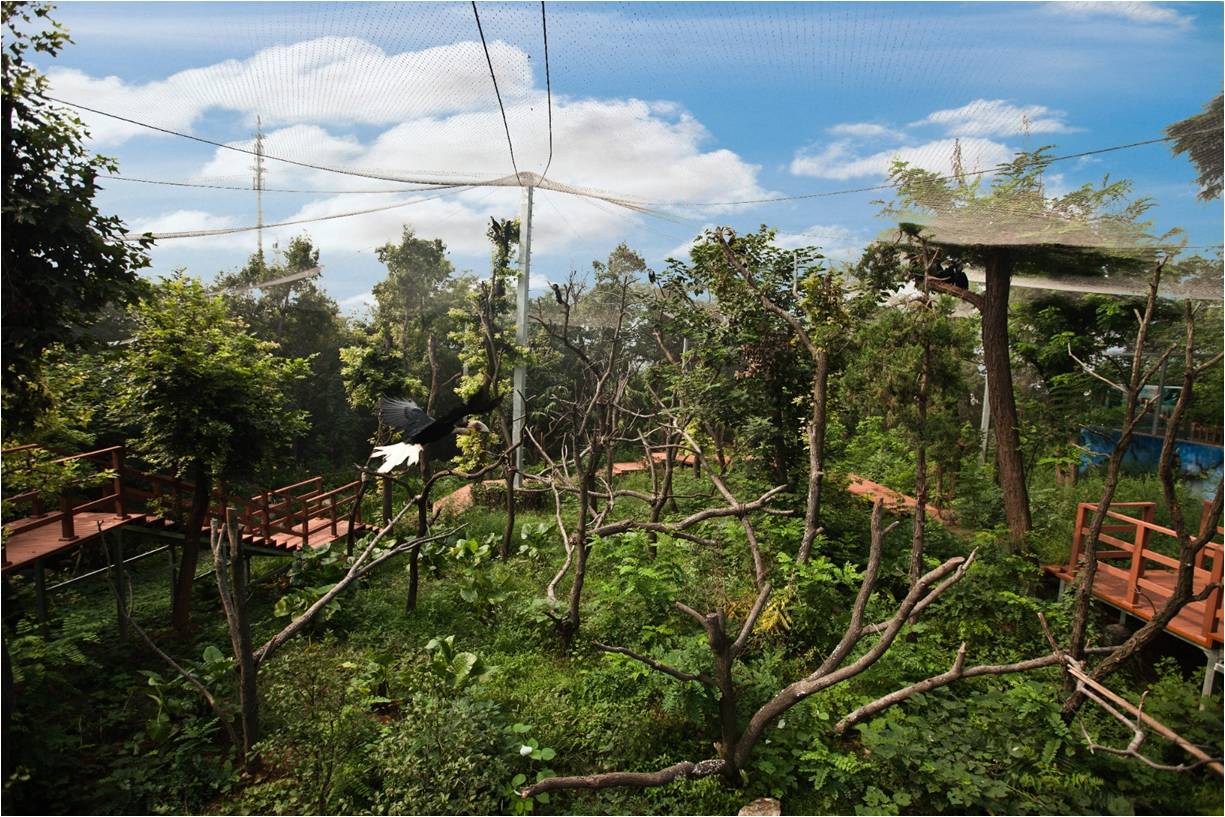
587 425
736 742
818 350
1190 545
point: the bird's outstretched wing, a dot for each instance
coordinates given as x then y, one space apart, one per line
397 454
478 403
404 415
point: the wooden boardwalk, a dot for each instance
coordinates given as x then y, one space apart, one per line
279 520
1134 576
30 543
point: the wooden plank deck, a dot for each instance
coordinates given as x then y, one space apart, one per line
320 535
29 544
1138 579
1110 585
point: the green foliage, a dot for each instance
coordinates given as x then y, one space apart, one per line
446 755
64 262
371 368
304 322
456 669
321 727
200 388
477 585
312 573
1190 137
532 756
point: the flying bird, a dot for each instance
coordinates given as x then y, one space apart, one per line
421 429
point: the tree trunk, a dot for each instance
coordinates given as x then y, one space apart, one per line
504 549
240 635
816 454
920 477
729 727
570 624
181 616
1003 404
423 525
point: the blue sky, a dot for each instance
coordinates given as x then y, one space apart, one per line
690 102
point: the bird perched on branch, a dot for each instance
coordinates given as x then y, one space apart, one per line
421 429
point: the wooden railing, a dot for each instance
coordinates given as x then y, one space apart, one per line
299 510
1130 552
70 503
291 511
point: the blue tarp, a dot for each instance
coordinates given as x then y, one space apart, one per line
1199 464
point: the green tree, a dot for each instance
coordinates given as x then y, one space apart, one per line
1014 227
488 348
745 371
64 262
207 399
415 298
1200 137
304 322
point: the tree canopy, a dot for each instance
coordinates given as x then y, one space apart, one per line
64 262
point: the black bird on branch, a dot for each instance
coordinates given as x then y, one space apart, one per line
953 272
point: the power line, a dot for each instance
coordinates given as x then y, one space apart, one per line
496 92
232 230
548 85
344 171
889 186
247 189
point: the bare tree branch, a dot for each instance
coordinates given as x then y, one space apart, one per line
656 665
685 770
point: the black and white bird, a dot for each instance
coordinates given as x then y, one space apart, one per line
421 428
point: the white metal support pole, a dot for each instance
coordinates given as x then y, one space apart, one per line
520 381
985 424
259 183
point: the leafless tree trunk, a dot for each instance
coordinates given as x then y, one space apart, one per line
232 588
196 520
1133 412
1190 546
736 745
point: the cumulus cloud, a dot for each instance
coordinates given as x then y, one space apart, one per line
322 80
840 160
837 243
633 147
996 117
1144 13
864 130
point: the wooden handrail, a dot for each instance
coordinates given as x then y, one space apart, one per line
296 485
16 448
98 453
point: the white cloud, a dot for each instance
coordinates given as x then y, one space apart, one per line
864 130
1145 13
636 148
839 160
996 117
357 303
323 80
837 243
